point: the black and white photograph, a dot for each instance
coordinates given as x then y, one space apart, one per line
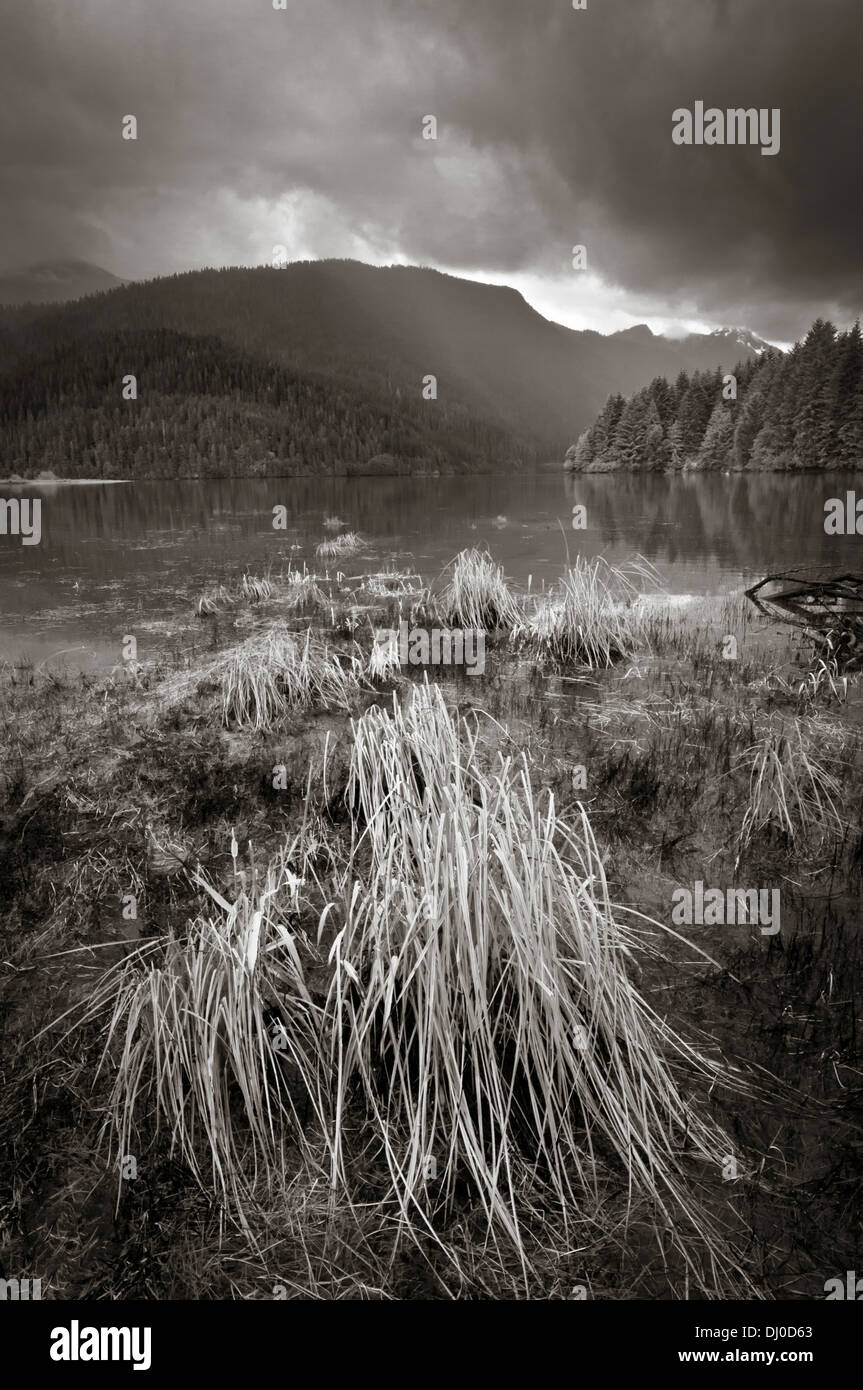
431 670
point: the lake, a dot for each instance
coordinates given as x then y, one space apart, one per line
123 557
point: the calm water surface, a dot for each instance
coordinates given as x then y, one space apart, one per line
126 557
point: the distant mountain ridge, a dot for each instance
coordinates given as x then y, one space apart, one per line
55 282
376 333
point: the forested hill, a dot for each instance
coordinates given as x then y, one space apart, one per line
801 410
318 366
206 409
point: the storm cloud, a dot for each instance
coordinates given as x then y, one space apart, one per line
302 127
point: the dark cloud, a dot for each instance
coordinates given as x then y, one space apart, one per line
260 127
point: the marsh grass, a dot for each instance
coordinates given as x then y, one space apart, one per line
248 589
588 617
481 999
394 584
479 925
476 594
692 626
303 593
790 790
474 1035
215 600
824 683
216 1027
340 546
278 670
383 663
255 590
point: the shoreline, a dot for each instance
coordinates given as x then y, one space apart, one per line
60 482
570 472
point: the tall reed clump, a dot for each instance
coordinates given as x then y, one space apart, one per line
280 670
480 1002
789 790
476 594
215 1039
588 617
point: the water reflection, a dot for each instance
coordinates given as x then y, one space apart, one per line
137 551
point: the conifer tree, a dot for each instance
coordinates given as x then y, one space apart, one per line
718 442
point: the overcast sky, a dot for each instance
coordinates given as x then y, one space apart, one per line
302 127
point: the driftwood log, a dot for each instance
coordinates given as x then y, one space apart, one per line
830 611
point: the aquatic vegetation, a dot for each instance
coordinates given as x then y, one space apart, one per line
383 663
255 590
221 596
430 1028
824 680
192 1023
388 584
789 789
476 594
215 600
479 1024
279 670
340 546
588 617
480 1000
303 593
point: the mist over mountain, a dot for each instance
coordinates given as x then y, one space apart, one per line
372 335
55 282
